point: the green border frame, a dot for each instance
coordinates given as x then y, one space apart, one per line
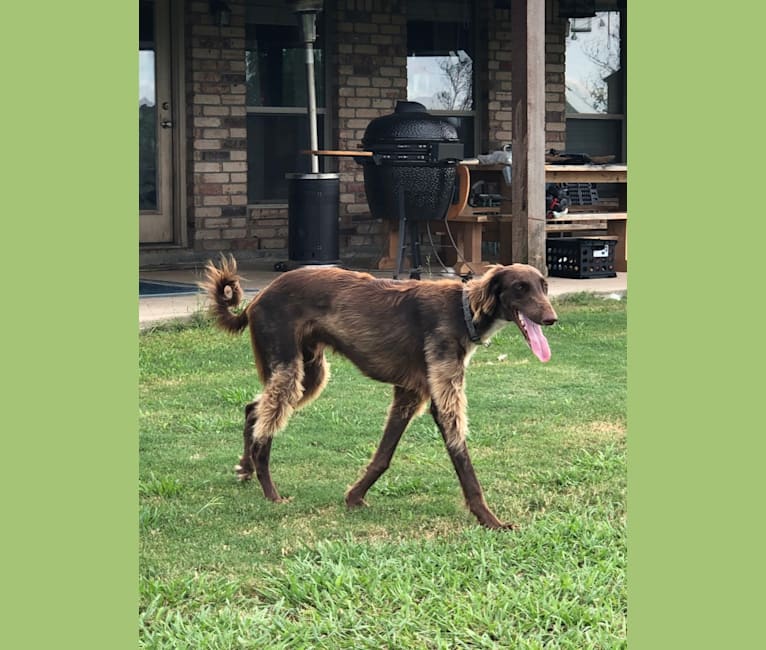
70 272
70 342
695 452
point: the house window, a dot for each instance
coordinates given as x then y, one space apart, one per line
595 93
147 110
440 73
277 114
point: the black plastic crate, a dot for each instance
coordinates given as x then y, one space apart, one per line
572 257
582 193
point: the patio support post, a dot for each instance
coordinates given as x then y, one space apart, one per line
528 137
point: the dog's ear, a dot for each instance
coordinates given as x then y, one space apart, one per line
489 291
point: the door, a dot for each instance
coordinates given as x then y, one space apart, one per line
156 124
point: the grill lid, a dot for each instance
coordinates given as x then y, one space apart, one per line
409 123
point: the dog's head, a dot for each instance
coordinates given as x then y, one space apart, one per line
518 293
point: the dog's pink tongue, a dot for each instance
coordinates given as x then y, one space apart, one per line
537 341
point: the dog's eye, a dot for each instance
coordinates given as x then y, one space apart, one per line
521 287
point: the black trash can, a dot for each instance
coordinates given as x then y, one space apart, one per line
312 218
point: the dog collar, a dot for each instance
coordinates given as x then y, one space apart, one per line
472 333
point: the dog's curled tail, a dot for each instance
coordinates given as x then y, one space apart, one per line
222 286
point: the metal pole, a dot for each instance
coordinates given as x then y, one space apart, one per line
312 99
307 12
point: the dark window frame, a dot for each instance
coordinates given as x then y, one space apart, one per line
599 120
259 163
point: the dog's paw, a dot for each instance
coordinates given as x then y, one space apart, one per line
281 500
243 474
494 523
356 503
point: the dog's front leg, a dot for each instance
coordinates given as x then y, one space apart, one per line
452 427
406 405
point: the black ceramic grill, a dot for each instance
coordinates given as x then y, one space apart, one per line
411 174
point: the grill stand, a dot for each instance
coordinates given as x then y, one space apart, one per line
416 269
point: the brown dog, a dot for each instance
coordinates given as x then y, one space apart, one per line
418 336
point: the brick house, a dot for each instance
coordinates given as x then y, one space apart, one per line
223 107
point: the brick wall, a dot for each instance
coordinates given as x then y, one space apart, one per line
371 59
499 76
555 90
217 182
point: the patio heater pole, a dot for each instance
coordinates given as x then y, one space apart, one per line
307 11
312 198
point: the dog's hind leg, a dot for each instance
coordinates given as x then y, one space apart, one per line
257 452
261 454
406 405
255 457
311 379
245 467
281 395
448 410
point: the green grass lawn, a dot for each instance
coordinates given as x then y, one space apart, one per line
220 567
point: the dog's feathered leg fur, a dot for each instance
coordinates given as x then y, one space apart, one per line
281 396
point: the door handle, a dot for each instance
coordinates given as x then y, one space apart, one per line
166 124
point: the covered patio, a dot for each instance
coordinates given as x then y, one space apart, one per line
229 109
